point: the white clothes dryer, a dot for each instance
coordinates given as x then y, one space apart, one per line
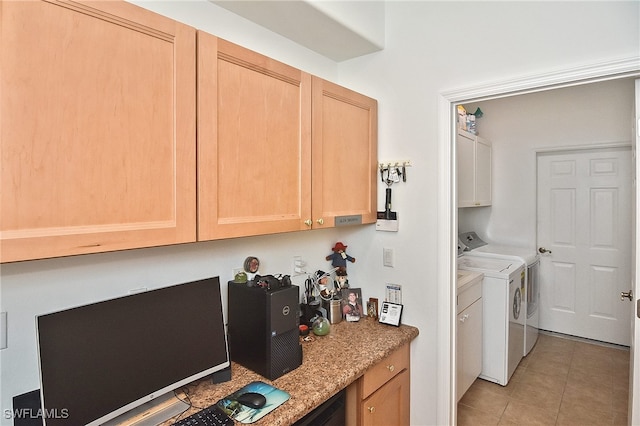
503 313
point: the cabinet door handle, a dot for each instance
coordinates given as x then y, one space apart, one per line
308 222
371 409
464 318
320 221
391 367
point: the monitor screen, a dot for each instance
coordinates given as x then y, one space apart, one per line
101 360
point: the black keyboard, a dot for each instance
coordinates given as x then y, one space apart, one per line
210 416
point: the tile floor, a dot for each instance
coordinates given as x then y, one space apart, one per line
561 382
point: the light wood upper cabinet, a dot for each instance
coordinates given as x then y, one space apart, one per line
344 155
278 149
254 142
98 129
98 151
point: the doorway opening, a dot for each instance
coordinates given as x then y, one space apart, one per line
447 207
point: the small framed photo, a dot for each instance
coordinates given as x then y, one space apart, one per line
352 304
372 308
390 313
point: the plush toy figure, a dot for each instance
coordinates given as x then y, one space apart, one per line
339 258
342 281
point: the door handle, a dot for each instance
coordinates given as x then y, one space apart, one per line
628 295
544 250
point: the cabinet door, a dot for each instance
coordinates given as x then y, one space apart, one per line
473 170
254 142
483 172
390 404
98 129
466 164
469 352
345 133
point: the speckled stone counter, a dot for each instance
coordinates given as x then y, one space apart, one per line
330 363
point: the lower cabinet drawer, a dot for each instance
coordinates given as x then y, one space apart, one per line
385 370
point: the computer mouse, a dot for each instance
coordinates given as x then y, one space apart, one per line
252 399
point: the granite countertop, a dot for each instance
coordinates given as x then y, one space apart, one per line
329 364
466 279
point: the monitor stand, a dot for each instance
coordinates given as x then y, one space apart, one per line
153 412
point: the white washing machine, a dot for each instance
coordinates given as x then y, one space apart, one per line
532 284
502 317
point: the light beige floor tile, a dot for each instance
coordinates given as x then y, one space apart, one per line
486 386
489 402
519 413
581 377
468 416
620 400
548 382
550 356
561 382
597 398
579 415
620 419
546 342
621 354
586 363
548 366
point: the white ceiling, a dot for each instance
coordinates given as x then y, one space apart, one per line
337 30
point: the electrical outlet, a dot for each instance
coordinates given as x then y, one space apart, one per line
298 266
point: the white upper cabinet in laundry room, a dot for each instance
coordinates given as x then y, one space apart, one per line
474 170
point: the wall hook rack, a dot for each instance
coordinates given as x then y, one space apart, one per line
392 171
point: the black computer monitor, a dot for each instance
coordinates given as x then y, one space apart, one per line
103 360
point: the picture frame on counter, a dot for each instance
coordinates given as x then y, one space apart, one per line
372 308
352 304
390 313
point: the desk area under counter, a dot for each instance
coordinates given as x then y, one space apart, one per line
339 360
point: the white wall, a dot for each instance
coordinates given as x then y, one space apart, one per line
433 47
430 47
598 113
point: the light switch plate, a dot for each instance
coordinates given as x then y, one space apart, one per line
387 257
3 330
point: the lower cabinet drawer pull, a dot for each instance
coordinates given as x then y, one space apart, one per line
371 409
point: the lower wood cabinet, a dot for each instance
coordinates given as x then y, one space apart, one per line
381 395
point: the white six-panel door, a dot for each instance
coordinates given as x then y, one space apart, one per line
584 223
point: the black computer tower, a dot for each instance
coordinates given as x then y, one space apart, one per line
263 328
